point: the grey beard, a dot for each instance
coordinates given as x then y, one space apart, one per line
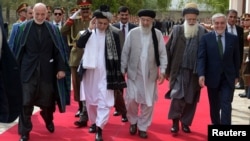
146 30
190 31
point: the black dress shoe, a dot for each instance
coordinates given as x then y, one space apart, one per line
98 135
248 107
24 138
239 86
185 128
116 113
92 128
80 123
78 113
243 95
133 129
50 126
143 134
175 126
124 118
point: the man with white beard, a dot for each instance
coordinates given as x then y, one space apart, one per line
143 55
181 71
41 54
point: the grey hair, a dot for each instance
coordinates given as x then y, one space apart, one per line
218 15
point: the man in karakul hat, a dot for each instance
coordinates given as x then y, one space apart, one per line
181 71
142 56
102 75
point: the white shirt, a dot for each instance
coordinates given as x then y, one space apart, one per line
231 29
126 28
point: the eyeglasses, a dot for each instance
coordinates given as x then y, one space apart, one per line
60 14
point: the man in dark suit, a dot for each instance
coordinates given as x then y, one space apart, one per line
218 68
10 81
41 55
125 26
233 28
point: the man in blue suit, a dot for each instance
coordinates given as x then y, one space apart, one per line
219 70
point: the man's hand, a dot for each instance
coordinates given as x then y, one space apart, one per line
74 16
161 78
202 81
60 75
92 23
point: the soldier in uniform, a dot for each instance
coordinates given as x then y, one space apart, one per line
246 59
22 12
72 27
49 8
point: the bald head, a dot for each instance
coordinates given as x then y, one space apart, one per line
39 13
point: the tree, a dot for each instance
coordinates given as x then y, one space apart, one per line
215 5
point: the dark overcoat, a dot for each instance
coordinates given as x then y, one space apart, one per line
63 85
10 82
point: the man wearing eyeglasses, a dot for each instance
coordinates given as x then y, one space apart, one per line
58 17
77 22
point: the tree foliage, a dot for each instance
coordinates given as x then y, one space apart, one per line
134 5
215 5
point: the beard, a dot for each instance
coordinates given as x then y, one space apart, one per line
39 22
145 30
190 30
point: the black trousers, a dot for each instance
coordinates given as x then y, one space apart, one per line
25 124
119 102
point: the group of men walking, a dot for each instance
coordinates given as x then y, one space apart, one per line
120 66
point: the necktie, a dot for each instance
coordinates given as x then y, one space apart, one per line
220 45
123 29
232 31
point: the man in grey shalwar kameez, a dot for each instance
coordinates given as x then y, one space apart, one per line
182 55
142 55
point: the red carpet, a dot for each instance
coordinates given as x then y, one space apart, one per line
115 130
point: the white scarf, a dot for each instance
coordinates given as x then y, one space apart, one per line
89 58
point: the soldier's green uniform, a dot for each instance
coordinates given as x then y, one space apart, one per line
71 28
